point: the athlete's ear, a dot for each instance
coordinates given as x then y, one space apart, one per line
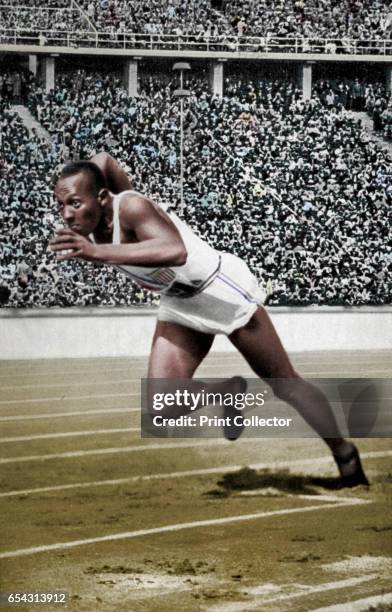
103 196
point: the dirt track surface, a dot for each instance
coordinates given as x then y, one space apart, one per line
135 524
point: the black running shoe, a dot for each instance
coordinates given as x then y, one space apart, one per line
351 470
231 430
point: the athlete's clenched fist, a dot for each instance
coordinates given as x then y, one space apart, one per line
67 244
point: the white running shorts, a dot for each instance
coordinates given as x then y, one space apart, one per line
228 303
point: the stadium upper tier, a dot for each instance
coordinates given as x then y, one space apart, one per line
295 188
318 26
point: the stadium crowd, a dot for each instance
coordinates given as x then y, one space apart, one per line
32 20
16 86
311 18
336 19
379 107
293 187
41 18
368 22
352 94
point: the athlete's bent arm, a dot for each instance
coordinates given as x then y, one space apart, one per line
157 240
117 180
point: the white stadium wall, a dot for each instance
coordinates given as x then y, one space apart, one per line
98 332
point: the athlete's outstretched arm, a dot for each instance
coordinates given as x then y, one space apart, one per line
117 180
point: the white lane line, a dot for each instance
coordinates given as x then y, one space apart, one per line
71 384
66 399
345 373
236 363
128 381
67 373
131 381
186 473
58 415
78 384
303 590
130 368
111 451
327 498
177 527
359 604
128 362
119 361
200 472
69 434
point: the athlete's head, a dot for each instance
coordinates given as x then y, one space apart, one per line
81 193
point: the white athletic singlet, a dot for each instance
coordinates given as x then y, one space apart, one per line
201 267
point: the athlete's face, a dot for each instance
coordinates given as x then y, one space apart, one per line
80 205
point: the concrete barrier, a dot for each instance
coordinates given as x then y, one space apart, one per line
98 332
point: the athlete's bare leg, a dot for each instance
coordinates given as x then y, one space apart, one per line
177 352
260 345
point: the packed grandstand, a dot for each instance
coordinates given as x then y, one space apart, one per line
343 26
298 188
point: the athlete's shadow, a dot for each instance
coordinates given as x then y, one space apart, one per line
248 479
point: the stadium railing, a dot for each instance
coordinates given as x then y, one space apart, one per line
224 42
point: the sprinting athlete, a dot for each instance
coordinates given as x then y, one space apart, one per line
203 292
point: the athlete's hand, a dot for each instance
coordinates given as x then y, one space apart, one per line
67 244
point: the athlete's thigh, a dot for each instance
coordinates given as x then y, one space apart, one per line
259 343
177 351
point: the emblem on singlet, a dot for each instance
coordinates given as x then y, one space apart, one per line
165 276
